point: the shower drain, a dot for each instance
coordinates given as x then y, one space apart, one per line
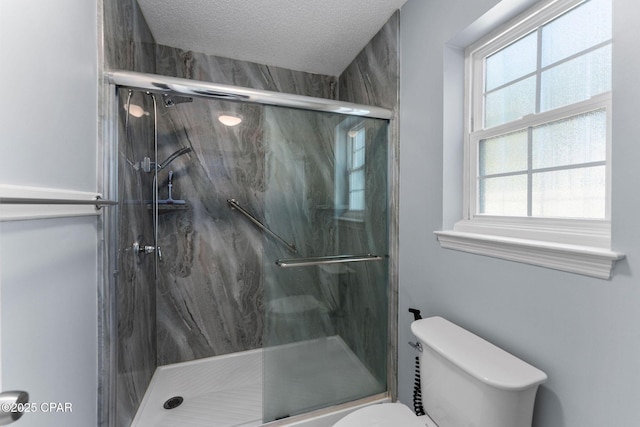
173 402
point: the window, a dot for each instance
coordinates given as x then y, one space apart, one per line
538 136
540 112
350 169
355 169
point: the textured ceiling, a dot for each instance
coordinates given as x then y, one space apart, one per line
317 36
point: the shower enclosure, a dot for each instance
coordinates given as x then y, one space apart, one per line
252 273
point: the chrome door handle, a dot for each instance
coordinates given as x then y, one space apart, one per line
12 406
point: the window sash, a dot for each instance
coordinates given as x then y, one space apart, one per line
519 27
514 31
599 102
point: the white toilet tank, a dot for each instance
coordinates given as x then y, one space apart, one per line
467 381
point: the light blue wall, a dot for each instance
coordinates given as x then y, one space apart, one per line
49 73
583 332
49 267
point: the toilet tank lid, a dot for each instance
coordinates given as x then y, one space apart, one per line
476 356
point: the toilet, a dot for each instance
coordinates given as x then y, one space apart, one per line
465 381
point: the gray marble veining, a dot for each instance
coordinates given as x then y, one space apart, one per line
197 66
209 289
127 40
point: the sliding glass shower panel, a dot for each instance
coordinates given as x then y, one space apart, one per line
325 335
263 236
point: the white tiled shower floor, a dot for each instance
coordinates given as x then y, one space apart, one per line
227 391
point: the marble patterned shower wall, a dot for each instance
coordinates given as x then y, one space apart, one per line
210 291
198 66
127 40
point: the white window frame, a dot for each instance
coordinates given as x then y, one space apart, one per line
360 132
343 166
576 245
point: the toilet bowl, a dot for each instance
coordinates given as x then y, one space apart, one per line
465 381
384 415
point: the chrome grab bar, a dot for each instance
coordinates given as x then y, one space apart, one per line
322 260
98 201
233 204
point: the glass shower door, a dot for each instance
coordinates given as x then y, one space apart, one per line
325 294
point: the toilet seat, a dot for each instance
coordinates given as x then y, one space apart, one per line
381 415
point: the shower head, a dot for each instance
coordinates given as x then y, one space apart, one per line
174 156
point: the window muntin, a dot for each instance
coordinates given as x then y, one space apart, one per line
540 146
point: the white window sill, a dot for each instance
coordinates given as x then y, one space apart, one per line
586 260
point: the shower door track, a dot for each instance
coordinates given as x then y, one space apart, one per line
193 88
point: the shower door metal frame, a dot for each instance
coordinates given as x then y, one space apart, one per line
107 297
193 88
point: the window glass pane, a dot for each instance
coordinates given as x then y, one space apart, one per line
505 153
578 139
356 200
357 148
572 193
515 60
576 80
510 103
505 195
358 158
356 180
577 30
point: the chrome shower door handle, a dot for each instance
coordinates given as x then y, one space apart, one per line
13 404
